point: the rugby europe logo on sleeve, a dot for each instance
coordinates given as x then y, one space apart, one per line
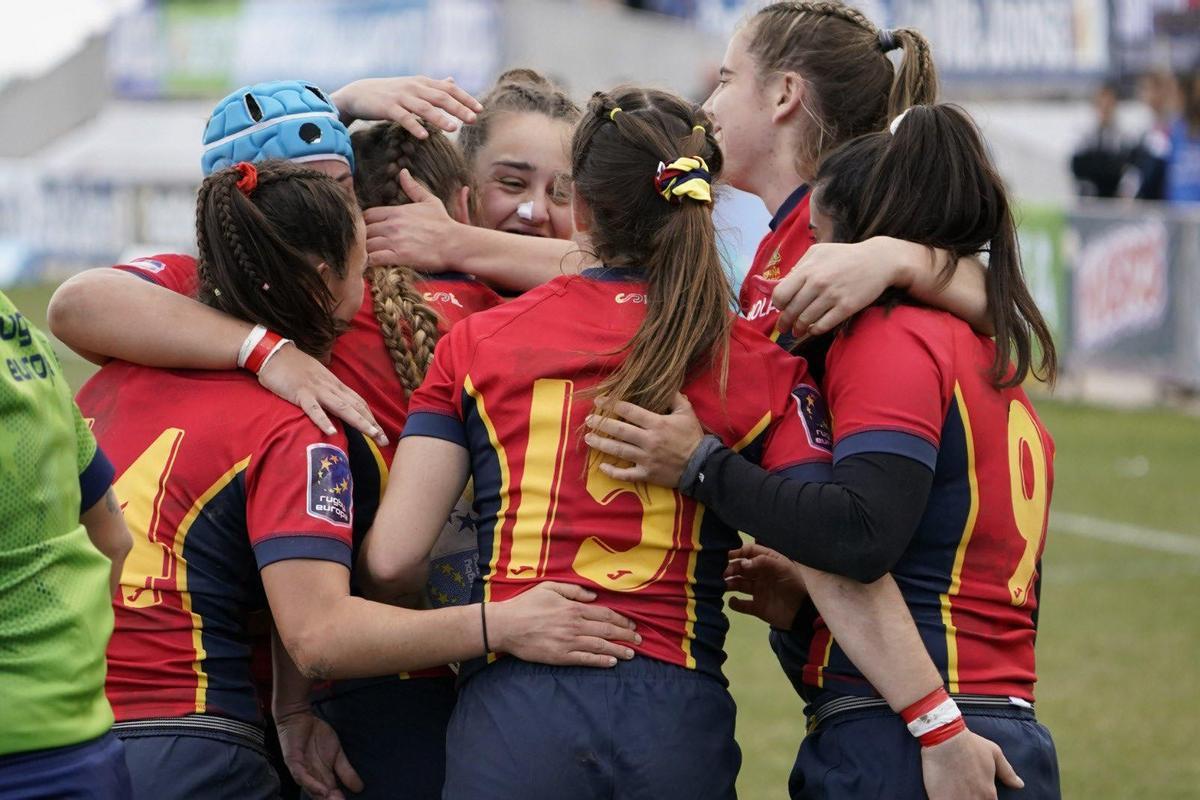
330 486
815 416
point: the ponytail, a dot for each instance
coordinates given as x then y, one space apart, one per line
257 246
931 182
916 82
851 86
618 147
382 151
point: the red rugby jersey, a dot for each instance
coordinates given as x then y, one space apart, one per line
510 385
778 252
217 478
913 382
456 295
360 360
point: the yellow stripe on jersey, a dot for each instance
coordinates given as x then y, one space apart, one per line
689 628
825 661
380 464
690 582
182 579
964 542
541 477
505 481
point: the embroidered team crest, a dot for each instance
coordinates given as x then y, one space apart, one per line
815 416
771 272
330 487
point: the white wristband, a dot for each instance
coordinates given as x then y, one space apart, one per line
249 343
274 350
940 715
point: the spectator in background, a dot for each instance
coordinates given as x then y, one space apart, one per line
1183 164
1101 157
1145 177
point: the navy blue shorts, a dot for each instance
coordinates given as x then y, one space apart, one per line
643 730
394 734
167 764
870 754
93 770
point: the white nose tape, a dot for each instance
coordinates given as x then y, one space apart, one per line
525 211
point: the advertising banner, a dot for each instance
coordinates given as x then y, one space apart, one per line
1041 230
184 48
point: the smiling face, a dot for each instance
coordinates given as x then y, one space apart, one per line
741 115
522 174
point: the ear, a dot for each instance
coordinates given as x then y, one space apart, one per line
462 206
581 214
786 95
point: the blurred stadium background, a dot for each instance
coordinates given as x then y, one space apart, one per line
99 160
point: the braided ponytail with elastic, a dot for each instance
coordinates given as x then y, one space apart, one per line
259 250
382 151
409 326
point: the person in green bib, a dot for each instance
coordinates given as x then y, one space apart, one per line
63 541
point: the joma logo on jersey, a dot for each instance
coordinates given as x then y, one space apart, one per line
330 487
623 298
442 297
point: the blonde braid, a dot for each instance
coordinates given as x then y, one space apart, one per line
409 326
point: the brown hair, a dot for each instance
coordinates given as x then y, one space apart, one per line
851 86
258 253
615 156
381 151
933 183
517 90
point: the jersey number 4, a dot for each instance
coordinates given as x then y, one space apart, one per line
140 490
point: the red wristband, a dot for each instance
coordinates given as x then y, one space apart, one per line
944 733
258 356
926 704
934 718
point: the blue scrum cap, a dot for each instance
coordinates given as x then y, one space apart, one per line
293 120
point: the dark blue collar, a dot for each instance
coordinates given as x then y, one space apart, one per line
789 206
614 274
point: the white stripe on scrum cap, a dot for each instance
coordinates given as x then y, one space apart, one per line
267 123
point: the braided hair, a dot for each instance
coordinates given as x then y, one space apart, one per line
409 325
852 88
517 90
259 249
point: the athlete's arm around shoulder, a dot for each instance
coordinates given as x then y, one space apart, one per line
834 281
429 473
421 234
141 313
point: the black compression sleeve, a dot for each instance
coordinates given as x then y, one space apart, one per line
857 526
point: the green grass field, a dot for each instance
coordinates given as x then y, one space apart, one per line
1119 648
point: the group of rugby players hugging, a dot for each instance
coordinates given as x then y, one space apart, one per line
544 445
